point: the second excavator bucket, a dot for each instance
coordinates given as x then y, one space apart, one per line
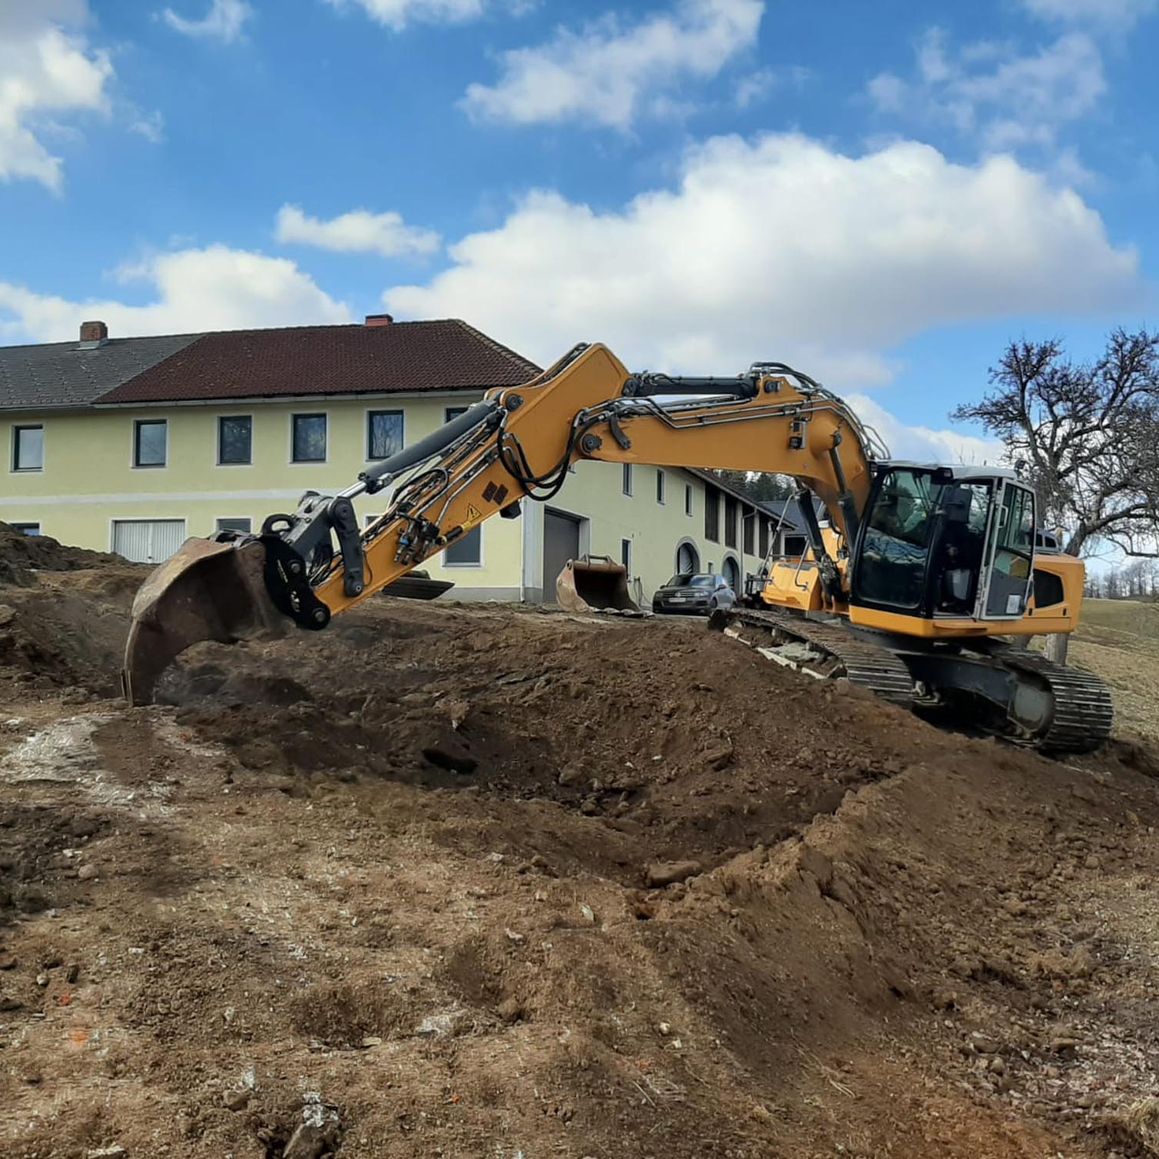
594 583
208 590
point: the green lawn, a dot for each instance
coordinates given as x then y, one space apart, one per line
1119 641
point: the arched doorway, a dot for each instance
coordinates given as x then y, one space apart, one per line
687 558
730 569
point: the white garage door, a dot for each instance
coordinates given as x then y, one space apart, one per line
147 540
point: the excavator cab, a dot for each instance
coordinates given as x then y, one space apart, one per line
945 542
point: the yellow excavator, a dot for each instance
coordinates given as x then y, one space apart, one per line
911 586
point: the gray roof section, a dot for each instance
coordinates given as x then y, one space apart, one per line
61 374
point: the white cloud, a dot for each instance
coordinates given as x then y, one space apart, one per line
924 444
359 231
397 14
754 87
196 289
1119 14
782 248
47 68
611 73
992 93
151 126
224 21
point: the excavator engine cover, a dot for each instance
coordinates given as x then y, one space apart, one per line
208 590
594 584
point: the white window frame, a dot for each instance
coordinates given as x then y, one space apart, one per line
14 462
248 462
464 564
390 410
137 424
22 526
626 480
309 414
220 519
688 501
626 555
661 487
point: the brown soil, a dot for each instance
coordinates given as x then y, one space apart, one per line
473 881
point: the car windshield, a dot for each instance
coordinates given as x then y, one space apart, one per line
696 581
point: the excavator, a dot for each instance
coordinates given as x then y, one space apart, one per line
915 585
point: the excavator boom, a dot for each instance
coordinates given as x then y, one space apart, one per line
925 567
516 444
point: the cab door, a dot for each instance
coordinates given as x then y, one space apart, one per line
1008 564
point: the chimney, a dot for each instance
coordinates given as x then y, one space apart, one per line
378 319
93 334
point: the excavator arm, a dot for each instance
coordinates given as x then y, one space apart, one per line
517 444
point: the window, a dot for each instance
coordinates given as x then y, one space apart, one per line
453 412
241 524
383 433
750 527
235 439
309 438
626 554
26 528
687 498
729 521
659 486
627 483
711 513
150 442
796 545
28 448
764 540
466 551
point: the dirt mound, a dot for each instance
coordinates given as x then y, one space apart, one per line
686 743
22 555
64 613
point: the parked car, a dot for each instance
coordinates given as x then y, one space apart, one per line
698 594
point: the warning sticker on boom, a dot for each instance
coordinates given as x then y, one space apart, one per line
473 514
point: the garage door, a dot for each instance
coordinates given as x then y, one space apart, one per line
147 540
561 539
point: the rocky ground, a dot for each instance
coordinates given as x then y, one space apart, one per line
474 881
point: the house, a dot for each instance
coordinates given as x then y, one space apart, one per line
133 444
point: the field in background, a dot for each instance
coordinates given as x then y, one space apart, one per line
1119 640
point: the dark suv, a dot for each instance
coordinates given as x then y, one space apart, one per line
699 594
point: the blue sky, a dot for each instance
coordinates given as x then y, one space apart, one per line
883 193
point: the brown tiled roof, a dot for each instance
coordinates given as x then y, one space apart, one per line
304 360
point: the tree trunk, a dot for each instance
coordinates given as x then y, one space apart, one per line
1056 647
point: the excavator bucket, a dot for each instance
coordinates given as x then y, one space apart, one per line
593 583
206 591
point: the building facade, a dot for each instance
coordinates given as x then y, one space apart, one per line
132 446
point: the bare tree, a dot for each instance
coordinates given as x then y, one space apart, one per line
1086 436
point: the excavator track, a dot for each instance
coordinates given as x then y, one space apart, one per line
1083 712
1080 710
863 663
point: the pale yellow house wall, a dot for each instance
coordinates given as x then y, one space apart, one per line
88 481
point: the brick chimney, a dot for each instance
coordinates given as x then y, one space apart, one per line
93 334
378 319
